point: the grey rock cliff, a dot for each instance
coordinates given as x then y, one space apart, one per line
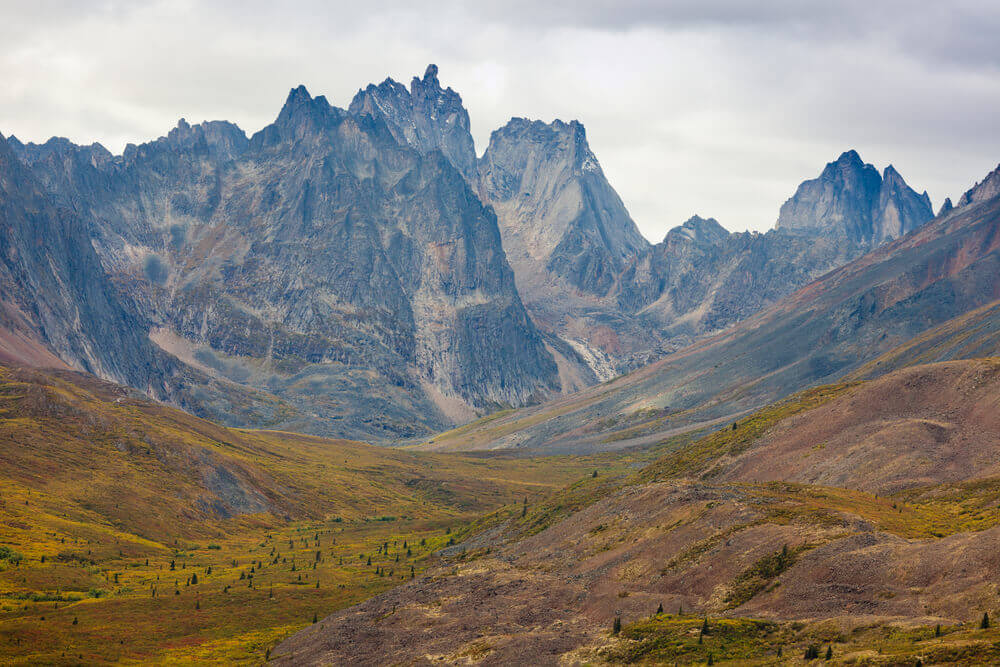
353 275
425 117
53 288
560 218
851 199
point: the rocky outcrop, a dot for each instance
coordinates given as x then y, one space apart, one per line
701 278
700 231
852 200
946 207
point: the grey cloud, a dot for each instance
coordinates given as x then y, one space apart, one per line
719 108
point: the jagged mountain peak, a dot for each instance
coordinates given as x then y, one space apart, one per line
851 199
850 156
558 214
542 130
425 117
56 146
298 95
430 77
556 136
851 161
946 207
299 104
988 188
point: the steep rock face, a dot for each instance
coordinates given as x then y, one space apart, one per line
53 289
851 199
322 261
425 117
560 218
568 237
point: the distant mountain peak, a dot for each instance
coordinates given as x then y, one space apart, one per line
298 95
558 214
851 199
850 156
431 75
988 188
425 117
699 230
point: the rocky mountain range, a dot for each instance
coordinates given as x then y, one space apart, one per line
360 272
930 295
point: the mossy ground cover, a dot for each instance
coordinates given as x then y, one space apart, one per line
920 513
229 600
679 639
100 493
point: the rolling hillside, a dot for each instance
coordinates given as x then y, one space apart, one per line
798 527
117 510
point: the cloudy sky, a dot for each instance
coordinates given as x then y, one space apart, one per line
716 108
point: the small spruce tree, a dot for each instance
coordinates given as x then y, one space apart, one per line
659 609
616 627
985 623
829 652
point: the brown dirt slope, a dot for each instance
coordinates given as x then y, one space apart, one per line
923 425
885 515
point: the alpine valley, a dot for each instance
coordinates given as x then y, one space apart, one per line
349 391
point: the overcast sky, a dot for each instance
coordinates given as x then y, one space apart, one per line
715 108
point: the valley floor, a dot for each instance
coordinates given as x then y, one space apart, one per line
132 532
